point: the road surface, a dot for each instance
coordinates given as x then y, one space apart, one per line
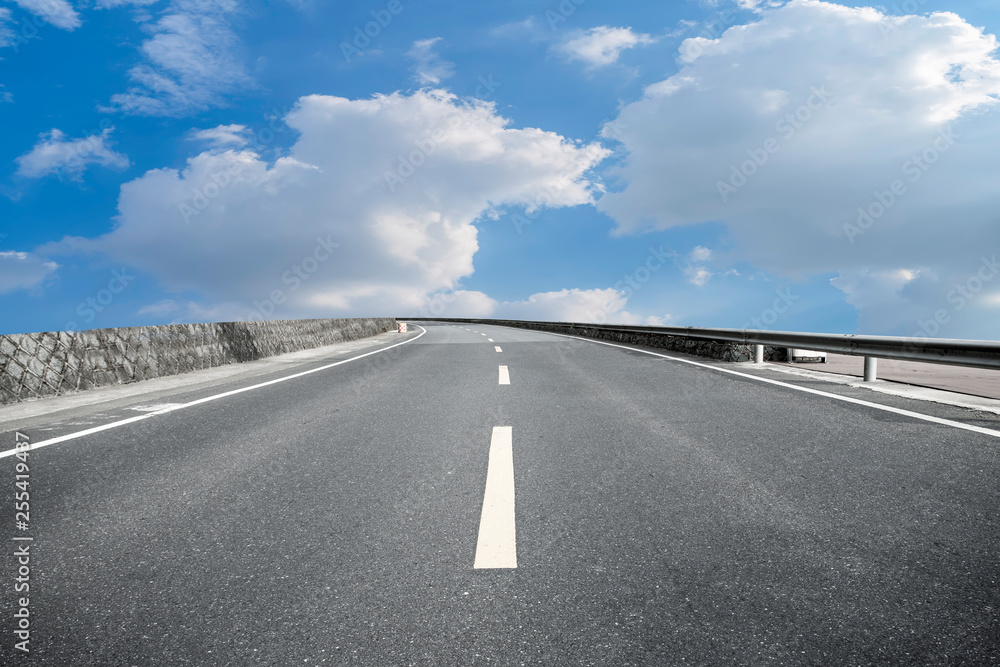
479 495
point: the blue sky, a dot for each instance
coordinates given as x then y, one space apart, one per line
798 165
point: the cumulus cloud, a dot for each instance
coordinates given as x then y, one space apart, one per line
566 305
108 4
698 275
601 46
69 158
758 6
701 254
430 68
528 28
161 308
458 303
192 62
222 135
56 12
570 305
371 210
6 32
23 270
794 128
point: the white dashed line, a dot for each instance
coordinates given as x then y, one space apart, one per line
504 375
497 543
157 407
497 348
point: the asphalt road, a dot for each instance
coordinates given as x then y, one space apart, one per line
666 513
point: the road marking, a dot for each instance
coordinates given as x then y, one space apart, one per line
180 406
497 348
504 375
482 334
497 543
156 407
490 339
817 392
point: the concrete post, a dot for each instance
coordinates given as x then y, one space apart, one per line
871 369
758 354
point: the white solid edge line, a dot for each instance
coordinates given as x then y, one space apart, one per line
496 546
846 399
181 406
504 375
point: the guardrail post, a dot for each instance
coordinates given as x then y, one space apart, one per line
758 354
871 369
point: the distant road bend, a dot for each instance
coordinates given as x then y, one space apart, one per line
482 495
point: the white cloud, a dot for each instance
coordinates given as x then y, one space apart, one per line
223 135
879 295
825 106
253 228
55 154
758 6
108 4
160 308
430 68
701 254
698 275
566 305
459 303
6 31
569 305
601 46
192 62
57 12
517 29
23 270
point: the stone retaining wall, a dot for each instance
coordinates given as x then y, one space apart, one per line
44 364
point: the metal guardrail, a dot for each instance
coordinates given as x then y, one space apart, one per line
953 352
